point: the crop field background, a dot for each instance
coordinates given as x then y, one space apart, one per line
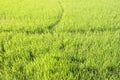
59 39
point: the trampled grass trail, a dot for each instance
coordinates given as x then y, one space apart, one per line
59 18
59 40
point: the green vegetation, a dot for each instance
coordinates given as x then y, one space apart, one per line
59 40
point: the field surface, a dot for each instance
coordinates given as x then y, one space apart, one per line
59 39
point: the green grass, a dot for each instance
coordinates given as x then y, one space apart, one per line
60 40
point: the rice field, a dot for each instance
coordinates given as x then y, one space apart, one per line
59 40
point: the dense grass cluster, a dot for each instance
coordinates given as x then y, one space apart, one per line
59 40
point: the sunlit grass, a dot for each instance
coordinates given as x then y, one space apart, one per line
59 40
